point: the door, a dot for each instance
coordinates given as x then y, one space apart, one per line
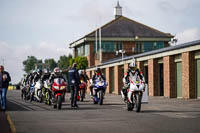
112 79
161 79
198 78
146 76
179 79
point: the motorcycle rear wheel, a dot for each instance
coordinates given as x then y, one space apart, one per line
82 95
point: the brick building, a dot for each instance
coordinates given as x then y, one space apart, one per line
121 33
173 72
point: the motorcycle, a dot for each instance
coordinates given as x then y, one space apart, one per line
46 92
31 92
38 91
81 92
99 91
59 88
135 93
24 93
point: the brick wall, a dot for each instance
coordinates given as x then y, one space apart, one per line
125 67
188 75
127 46
166 44
91 58
153 77
140 65
169 77
108 79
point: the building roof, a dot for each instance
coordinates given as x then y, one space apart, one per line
125 27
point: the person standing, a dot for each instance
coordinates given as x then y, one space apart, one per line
4 82
74 82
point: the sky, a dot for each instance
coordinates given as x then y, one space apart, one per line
44 28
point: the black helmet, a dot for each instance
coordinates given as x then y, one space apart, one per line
46 71
39 71
98 70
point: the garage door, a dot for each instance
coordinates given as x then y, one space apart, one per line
198 78
179 79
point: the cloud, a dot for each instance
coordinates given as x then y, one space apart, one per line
14 55
188 35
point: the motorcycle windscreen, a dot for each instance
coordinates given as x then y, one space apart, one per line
145 95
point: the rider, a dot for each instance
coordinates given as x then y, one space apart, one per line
98 74
132 70
38 75
86 76
57 73
45 75
83 76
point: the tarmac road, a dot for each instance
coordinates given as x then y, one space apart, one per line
159 115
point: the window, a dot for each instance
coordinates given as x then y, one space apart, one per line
83 50
118 46
108 46
87 50
148 46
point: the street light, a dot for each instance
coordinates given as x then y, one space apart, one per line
122 52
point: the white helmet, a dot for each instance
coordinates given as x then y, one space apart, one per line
57 71
132 64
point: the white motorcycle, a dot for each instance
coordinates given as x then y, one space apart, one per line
38 91
135 92
46 92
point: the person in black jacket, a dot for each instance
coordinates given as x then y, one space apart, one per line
4 83
74 82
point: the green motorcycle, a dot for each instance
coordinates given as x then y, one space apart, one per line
46 92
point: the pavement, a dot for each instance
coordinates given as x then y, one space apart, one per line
159 115
4 125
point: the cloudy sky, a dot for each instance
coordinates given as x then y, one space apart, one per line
44 28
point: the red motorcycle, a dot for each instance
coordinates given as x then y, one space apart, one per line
81 92
59 88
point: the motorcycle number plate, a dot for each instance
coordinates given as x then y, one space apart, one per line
99 84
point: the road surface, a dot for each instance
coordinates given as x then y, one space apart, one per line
159 115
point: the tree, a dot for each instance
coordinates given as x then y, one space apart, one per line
63 62
29 64
51 63
82 62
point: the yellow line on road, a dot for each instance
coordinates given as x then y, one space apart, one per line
12 126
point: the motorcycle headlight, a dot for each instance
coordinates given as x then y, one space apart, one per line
62 87
56 87
99 84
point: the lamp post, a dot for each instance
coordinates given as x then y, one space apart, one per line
122 52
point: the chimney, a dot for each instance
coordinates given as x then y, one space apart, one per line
118 10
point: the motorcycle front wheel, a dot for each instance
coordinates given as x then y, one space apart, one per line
59 102
101 97
138 99
130 105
